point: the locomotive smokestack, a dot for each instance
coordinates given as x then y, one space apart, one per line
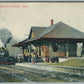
51 21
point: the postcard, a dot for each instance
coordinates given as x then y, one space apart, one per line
41 42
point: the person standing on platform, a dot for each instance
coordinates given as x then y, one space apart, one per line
33 57
29 57
36 58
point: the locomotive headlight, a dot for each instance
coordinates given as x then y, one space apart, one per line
1 49
5 48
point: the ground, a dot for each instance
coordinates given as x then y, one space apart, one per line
22 74
70 63
27 74
4 77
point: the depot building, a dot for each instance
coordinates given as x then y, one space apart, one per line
57 40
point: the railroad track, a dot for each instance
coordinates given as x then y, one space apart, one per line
33 75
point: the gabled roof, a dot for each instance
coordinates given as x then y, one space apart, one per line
20 43
37 31
62 30
58 31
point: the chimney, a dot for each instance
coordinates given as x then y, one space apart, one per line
51 21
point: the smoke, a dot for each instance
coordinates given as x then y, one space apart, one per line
5 36
1 44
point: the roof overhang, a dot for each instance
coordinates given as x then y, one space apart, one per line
35 39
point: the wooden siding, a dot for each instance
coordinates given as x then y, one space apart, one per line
32 35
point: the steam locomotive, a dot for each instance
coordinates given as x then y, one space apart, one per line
5 58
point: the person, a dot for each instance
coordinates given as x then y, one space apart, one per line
33 57
29 57
57 59
36 58
54 59
24 58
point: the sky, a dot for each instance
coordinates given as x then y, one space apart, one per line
18 18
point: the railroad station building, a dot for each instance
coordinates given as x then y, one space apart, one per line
57 40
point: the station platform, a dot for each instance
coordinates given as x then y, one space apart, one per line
38 66
53 68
